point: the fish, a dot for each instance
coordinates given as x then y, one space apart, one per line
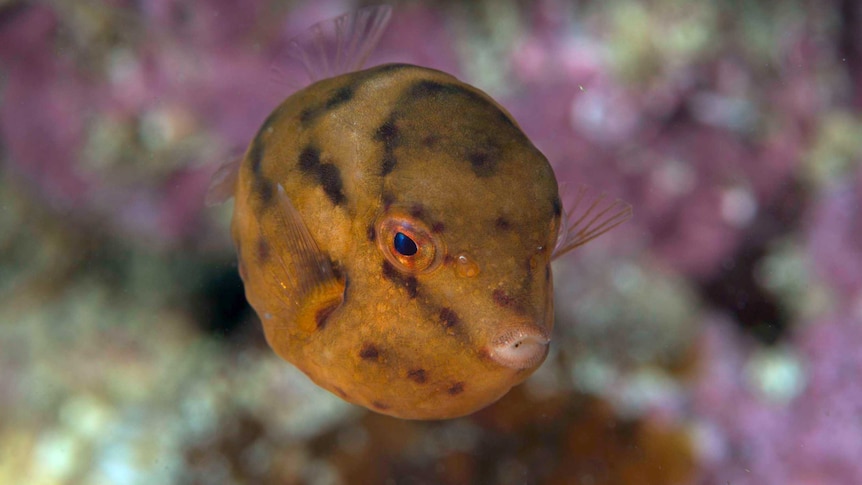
394 230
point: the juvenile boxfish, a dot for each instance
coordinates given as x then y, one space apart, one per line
395 228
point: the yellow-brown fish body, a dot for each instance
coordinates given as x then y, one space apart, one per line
434 326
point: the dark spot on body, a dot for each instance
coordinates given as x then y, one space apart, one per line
341 392
369 352
438 227
308 115
380 405
396 66
428 88
483 165
547 273
502 224
388 199
418 376
329 177
431 141
558 206
262 250
456 389
341 96
448 317
309 159
371 233
255 155
409 283
264 189
327 174
388 164
388 134
502 298
417 211
323 314
425 88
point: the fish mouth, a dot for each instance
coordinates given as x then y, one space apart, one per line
522 348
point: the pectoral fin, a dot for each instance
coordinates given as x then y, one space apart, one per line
588 216
299 276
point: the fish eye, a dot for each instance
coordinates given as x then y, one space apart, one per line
408 244
404 245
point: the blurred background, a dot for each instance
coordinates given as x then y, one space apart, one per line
716 338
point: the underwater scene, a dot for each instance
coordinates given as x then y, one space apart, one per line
475 242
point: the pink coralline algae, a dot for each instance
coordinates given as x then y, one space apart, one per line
835 236
131 140
814 438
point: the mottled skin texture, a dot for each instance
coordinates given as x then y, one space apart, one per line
354 150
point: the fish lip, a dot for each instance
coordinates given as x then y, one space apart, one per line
521 348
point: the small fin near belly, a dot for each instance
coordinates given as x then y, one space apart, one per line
308 290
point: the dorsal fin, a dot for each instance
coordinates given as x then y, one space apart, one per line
331 47
588 216
326 49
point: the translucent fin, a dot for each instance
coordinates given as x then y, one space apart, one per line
223 183
332 47
298 270
588 217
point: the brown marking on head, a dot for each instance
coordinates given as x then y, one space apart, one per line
449 318
388 133
419 376
388 164
417 211
341 96
341 392
309 159
483 164
387 199
329 177
369 352
503 299
502 224
438 227
409 283
311 113
371 233
255 155
431 141
264 189
456 389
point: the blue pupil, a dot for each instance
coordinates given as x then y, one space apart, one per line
404 245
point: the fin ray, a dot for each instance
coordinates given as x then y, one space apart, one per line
300 271
598 217
331 47
223 183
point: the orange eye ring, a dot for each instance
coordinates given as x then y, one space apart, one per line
408 244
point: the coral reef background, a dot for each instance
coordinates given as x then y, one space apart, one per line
714 339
